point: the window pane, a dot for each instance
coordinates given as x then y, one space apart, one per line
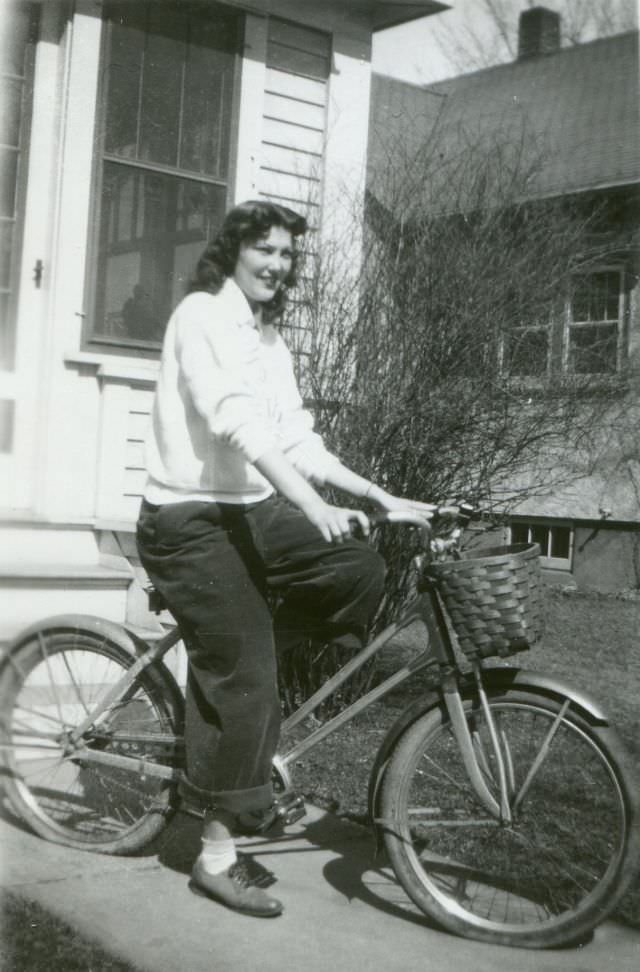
7 335
7 408
13 42
153 229
527 352
10 111
124 74
596 297
6 242
170 82
519 533
204 145
8 182
540 534
593 350
161 86
19 22
560 537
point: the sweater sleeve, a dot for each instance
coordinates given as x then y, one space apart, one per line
217 359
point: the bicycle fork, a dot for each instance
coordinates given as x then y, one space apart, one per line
503 800
473 752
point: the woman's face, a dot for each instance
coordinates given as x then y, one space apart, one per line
262 265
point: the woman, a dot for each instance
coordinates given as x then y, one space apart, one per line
231 515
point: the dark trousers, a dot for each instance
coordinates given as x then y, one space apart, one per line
216 565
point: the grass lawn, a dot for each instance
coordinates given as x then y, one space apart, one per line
591 641
32 940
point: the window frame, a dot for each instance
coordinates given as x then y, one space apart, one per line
139 347
621 329
23 150
558 331
546 560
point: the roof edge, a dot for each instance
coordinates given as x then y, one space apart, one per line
390 13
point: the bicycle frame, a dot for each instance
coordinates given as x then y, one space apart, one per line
438 653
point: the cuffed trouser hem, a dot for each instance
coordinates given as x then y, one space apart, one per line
199 802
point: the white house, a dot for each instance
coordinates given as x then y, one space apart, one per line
127 130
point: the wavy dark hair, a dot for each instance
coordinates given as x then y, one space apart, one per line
246 223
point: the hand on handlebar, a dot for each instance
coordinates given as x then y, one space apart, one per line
391 504
336 523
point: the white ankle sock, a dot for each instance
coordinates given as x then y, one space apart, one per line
217 855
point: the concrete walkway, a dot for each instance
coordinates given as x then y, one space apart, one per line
343 913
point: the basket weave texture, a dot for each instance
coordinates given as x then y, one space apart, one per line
494 600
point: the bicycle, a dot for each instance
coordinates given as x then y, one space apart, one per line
505 801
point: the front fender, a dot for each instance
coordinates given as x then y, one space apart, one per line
541 683
500 678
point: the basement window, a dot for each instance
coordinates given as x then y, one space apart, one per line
555 540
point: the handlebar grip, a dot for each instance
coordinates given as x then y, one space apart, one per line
399 516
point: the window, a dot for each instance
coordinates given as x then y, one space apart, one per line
164 167
556 541
16 59
595 324
18 29
590 332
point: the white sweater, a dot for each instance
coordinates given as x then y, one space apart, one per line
226 394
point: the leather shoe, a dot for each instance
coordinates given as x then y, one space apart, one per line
233 888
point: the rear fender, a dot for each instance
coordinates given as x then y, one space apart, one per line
124 638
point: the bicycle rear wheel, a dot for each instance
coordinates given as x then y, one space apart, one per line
544 880
47 688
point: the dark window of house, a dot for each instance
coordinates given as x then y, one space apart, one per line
554 540
595 323
165 136
17 41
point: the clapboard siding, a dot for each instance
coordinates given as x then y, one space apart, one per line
288 134
137 423
280 107
288 34
294 116
305 164
309 90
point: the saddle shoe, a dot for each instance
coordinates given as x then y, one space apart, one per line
234 889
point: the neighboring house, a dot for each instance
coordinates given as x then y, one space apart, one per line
128 128
577 108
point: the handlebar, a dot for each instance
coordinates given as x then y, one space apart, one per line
458 514
446 522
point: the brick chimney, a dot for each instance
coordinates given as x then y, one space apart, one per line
538 32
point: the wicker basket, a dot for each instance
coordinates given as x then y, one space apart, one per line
493 598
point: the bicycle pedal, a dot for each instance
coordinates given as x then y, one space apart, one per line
291 810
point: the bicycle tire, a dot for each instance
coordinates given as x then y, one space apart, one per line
47 686
551 876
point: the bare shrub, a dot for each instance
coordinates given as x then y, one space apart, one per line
432 366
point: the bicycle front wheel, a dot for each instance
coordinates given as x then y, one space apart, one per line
48 687
551 875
